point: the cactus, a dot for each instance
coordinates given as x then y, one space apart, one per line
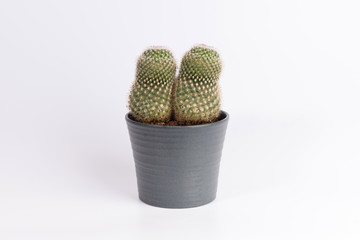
150 95
196 93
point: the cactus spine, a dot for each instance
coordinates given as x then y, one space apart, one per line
150 95
196 94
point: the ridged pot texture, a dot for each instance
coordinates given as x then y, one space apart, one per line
177 166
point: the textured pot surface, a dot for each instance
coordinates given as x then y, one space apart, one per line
177 166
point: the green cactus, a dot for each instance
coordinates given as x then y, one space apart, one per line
150 95
196 93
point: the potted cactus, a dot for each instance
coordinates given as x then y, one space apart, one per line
176 127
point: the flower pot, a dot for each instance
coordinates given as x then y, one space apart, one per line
177 166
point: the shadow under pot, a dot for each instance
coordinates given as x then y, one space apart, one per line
177 166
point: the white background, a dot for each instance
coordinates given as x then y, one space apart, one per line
291 83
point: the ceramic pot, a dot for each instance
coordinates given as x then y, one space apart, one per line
177 166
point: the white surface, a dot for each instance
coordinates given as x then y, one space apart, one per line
291 82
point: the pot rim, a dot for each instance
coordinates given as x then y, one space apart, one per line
189 126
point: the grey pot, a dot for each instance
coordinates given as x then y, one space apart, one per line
177 166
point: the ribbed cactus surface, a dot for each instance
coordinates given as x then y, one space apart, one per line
150 96
196 93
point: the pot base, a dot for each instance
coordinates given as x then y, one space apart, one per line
176 205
